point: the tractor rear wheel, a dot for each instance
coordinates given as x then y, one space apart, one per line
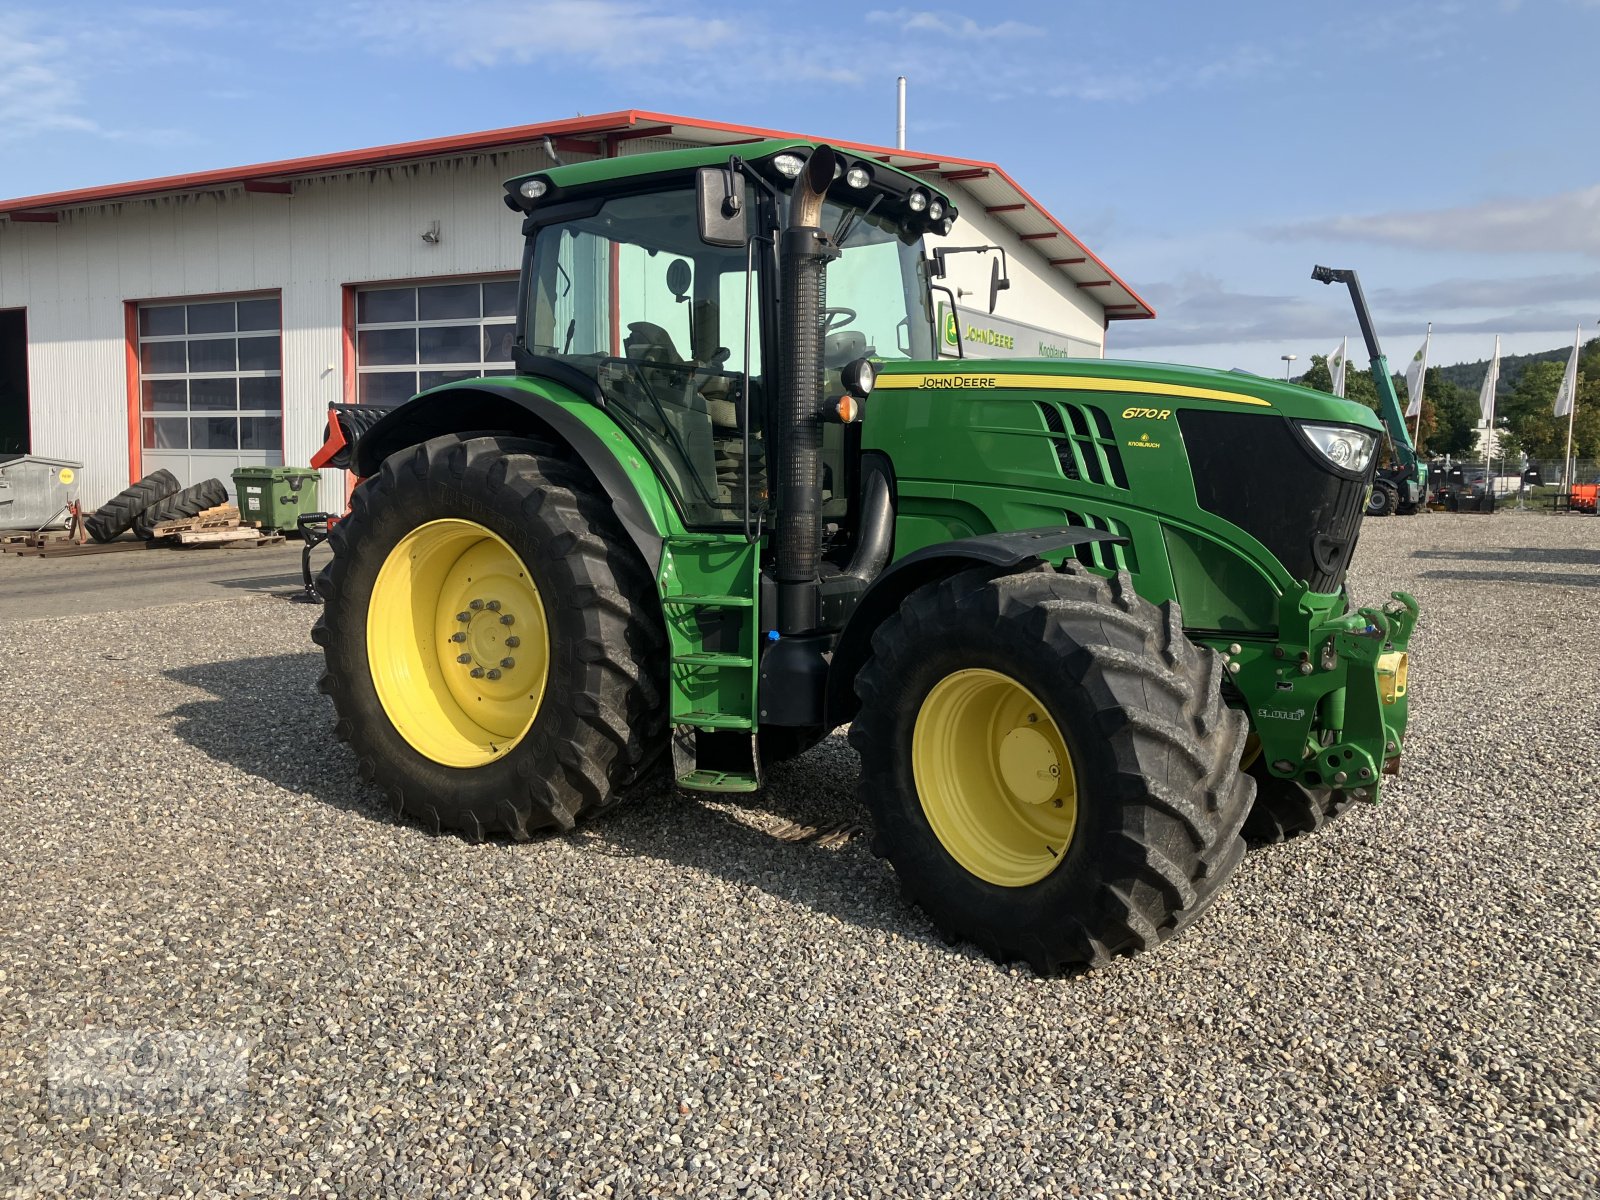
1049 765
494 651
1284 809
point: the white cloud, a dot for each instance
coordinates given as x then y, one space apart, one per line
39 90
910 20
1198 309
1565 223
612 34
1456 295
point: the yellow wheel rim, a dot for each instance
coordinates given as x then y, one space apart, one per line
995 777
1251 752
457 643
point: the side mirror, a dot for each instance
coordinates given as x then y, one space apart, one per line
721 207
997 284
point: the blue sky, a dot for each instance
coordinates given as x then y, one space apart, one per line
1210 153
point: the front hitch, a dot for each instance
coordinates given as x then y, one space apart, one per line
1328 701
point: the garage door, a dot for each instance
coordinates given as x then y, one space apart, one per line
211 386
413 337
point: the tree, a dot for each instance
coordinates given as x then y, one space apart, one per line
1532 428
1449 417
1358 384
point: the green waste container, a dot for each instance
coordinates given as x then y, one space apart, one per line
274 497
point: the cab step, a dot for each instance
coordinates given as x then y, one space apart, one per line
719 781
712 720
709 601
704 658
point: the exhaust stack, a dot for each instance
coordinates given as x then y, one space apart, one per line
806 251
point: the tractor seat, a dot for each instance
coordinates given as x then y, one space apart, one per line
648 342
843 348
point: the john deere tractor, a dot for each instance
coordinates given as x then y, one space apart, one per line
732 500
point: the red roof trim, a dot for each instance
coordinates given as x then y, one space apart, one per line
1038 237
1005 208
42 218
499 139
325 164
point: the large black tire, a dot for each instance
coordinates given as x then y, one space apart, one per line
116 516
602 722
1284 809
1384 500
187 503
1160 797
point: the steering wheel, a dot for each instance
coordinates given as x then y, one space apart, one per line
837 318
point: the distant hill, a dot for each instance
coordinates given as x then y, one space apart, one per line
1470 375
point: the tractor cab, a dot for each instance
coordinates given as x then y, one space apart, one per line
676 331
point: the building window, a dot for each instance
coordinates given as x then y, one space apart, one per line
409 339
211 375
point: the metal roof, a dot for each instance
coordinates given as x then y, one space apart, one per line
987 184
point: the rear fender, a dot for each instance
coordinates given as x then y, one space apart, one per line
999 553
532 408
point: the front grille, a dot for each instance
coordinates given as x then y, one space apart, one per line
1253 470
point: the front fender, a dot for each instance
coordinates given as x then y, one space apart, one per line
1001 553
539 408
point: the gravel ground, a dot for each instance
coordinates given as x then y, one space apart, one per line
225 971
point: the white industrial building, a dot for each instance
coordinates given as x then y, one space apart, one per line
203 322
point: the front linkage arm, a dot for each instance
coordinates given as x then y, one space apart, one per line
1328 700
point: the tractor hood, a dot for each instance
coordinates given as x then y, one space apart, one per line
1115 445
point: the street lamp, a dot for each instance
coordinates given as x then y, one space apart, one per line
1288 359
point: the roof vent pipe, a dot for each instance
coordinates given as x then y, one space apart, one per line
900 119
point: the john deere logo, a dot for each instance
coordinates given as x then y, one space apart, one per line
952 330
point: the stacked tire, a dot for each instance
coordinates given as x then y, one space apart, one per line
191 501
154 499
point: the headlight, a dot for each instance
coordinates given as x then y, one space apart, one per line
917 201
789 165
1346 448
935 210
858 377
858 176
532 189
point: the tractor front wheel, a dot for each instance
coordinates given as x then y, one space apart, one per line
1285 809
1384 500
493 649
1049 765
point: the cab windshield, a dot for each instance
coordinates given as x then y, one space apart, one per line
877 291
629 295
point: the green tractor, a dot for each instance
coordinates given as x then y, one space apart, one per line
732 500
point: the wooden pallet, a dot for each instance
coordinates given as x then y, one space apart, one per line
223 516
16 543
73 550
235 536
